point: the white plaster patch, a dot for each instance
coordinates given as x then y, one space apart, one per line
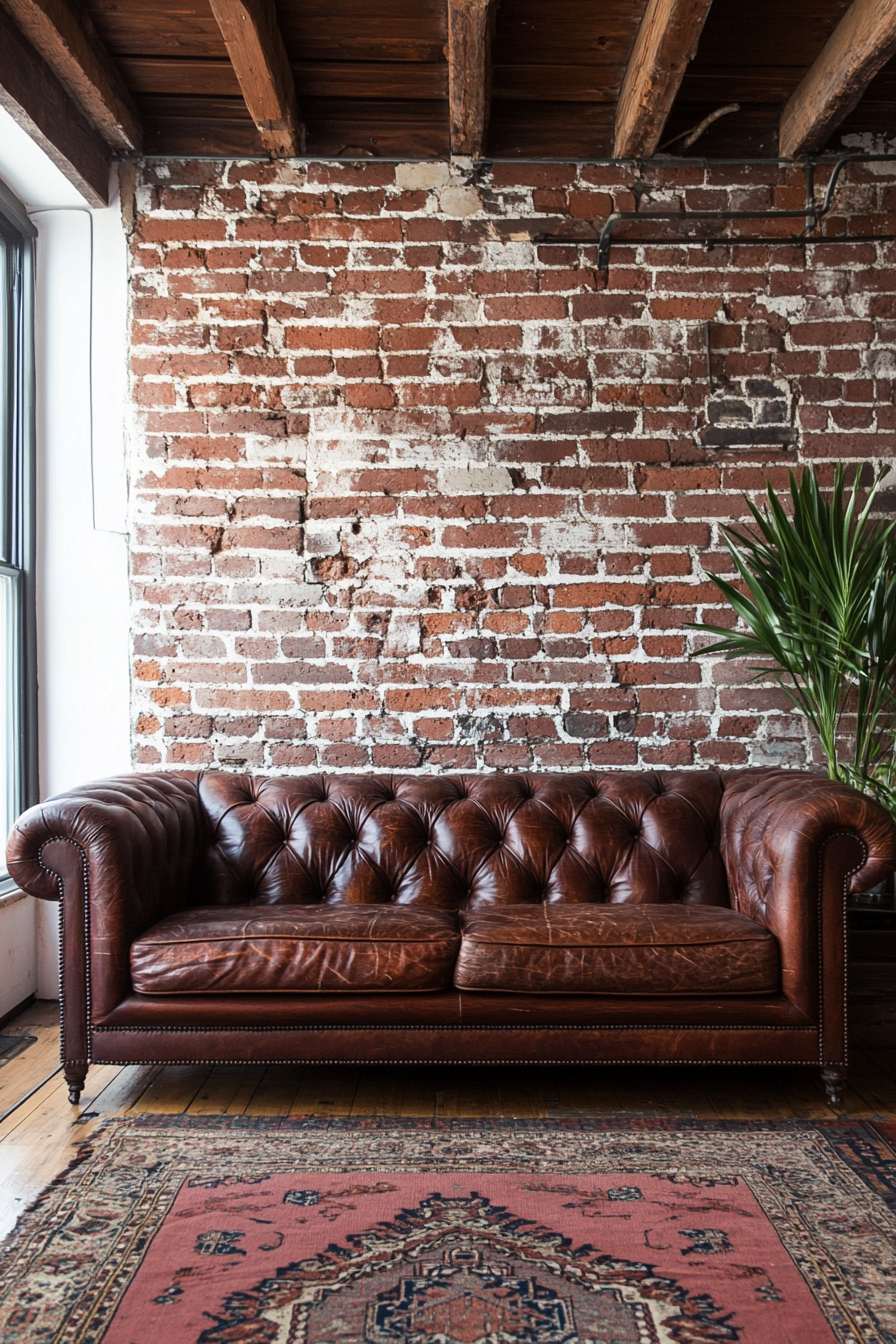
422 176
562 534
785 305
292 450
459 202
403 636
321 539
282 565
882 363
279 594
291 175
467 480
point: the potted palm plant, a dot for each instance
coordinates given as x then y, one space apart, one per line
818 603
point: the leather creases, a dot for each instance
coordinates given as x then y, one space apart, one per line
276 949
644 950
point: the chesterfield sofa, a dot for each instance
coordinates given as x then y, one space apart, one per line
678 917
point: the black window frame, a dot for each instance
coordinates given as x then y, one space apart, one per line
17 489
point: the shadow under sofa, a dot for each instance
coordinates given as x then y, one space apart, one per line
626 917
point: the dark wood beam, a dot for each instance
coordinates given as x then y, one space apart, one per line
666 42
469 74
860 45
252 37
37 101
68 43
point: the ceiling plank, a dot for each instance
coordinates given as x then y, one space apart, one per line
469 74
860 45
37 101
666 42
326 79
255 47
68 43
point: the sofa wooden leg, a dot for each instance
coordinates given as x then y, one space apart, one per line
834 1080
75 1075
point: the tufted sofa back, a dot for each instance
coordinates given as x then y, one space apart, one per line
464 841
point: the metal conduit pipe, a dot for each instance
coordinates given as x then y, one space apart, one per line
813 212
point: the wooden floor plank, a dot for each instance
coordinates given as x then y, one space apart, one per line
25 1071
39 1013
219 1090
519 1100
876 1088
326 1090
171 1090
379 1092
418 1097
883 1059
31 1105
124 1090
573 1092
276 1091
476 1093
252 1075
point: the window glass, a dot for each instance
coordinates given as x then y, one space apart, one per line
11 716
17 691
7 373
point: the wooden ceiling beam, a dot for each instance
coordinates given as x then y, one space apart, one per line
666 42
255 47
68 42
37 101
860 45
469 74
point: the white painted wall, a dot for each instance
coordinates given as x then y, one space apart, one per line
82 562
18 934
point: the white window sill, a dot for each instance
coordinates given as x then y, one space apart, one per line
10 894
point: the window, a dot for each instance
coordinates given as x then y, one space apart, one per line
18 755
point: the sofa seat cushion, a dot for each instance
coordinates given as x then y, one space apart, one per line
315 948
617 949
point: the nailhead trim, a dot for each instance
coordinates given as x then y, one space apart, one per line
835 835
633 1026
444 1063
51 840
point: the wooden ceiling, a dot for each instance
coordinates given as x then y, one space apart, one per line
495 78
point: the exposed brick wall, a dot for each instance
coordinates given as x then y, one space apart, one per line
409 491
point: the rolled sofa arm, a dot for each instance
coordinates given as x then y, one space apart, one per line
794 846
119 855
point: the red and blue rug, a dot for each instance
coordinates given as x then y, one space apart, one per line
234 1230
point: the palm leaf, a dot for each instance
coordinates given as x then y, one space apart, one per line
815 594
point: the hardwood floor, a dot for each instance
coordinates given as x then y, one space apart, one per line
38 1136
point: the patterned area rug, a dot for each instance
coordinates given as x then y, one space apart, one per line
232 1230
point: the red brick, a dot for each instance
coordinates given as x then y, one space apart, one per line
832 333
543 308
691 310
369 395
331 338
344 755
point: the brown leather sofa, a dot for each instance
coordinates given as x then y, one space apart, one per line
691 917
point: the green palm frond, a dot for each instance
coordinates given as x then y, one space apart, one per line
816 598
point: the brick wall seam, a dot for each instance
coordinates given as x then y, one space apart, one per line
409 491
